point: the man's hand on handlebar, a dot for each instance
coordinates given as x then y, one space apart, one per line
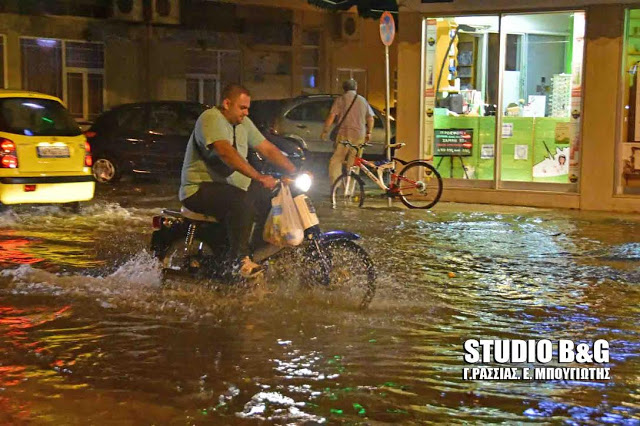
267 181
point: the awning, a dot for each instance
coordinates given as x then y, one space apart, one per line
366 8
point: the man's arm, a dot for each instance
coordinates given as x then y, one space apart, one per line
367 137
229 155
327 124
275 156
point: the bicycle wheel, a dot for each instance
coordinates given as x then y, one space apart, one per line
347 191
420 185
344 270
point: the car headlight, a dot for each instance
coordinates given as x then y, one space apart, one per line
303 182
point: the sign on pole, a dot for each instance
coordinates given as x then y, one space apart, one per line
387 28
387 33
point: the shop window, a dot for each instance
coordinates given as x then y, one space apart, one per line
268 66
461 83
2 62
79 81
204 89
530 135
359 75
311 60
91 9
279 34
230 68
540 133
42 65
628 169
514 52
84 69
208 72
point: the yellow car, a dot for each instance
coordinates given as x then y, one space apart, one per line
44 157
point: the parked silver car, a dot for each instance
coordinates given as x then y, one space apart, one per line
303 118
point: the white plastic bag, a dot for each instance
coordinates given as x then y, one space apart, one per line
283 226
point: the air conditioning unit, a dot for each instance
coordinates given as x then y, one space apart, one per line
165 12
128 10
349 26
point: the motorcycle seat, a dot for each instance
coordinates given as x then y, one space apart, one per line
196 216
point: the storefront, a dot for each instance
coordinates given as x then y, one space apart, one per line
527 107
628 176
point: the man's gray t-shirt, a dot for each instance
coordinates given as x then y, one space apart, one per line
354 125
213 126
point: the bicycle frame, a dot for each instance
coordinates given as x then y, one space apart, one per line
360 163
403 185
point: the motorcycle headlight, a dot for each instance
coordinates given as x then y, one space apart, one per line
303 182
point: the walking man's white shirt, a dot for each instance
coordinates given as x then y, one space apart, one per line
356 126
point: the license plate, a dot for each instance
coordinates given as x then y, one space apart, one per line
53 151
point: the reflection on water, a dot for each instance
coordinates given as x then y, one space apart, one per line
84 317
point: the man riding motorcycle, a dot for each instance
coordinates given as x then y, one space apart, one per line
217 179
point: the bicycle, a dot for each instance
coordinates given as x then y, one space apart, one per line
418 185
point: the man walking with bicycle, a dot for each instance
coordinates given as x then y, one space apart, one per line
355 125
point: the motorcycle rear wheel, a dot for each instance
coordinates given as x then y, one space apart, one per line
176 261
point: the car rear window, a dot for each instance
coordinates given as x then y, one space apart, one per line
263 113
173 119
36 117
314 110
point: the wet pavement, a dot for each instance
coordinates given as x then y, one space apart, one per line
89 335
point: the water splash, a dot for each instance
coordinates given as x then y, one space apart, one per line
130 282
273 406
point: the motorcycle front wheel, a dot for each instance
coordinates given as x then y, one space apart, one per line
343 269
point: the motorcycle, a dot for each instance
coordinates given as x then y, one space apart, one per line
192 244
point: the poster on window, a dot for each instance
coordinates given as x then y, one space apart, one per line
552 165
562 134
507 130
521 152
429 94
486 151
454 142
575 138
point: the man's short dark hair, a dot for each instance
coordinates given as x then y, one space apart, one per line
232 91
350 84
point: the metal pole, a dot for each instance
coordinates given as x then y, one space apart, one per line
387 129
387 101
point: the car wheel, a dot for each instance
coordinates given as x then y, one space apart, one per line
105 170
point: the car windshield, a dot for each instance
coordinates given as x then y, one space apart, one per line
36 117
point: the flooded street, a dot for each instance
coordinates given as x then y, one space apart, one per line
90 335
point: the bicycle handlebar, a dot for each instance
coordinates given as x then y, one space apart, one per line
391 145
347 143
395 145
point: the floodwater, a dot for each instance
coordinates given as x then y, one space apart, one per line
88 334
